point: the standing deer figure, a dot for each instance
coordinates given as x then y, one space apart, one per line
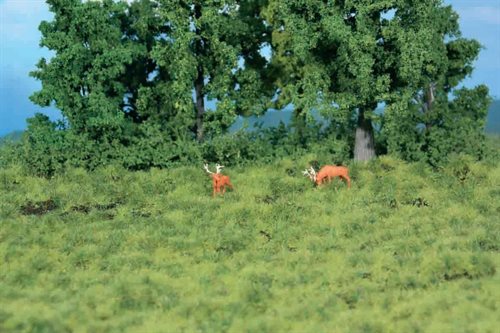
219 181
327 173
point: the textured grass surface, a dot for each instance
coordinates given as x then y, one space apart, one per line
405 250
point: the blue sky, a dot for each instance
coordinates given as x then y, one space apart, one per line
20 51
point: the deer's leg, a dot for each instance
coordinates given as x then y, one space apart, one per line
347 179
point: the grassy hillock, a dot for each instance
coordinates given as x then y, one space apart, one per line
406 249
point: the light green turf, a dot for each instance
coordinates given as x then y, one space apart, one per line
405 249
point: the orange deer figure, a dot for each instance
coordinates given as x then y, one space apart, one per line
327 173
219 181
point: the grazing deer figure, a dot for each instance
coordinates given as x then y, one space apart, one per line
219 181
327 173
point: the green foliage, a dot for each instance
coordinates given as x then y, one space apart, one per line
275 143
492 148
457 128
201 52
405 249
460 127
48 148
43 150
422 122
132 78
9 154
85 77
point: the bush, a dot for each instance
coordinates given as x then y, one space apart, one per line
43 150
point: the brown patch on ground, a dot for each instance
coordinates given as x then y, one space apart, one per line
38 207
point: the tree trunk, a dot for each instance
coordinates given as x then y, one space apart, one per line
299 119
364 148
199 82
429 100
200 103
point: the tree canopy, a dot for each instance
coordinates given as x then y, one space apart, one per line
163 73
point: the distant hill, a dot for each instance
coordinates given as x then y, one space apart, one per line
11 137
273 118
493 119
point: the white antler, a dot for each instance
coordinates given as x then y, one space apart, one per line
313 174
310 173
205 166
218 168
